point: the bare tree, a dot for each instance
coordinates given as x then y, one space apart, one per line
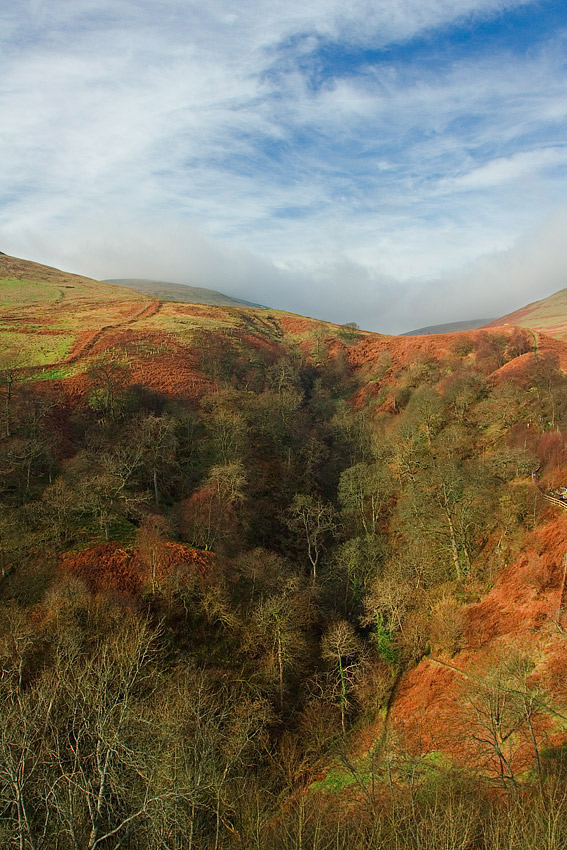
314 521
276 632
342 648
7 379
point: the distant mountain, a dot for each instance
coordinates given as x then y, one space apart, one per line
166 291
449 328
548 315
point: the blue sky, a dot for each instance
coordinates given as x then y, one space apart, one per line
394 163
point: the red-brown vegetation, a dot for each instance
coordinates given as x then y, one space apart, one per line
380 580
110 566
520 614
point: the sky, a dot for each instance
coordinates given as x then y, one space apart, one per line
396 163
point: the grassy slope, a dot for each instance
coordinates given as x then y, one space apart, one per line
59 321
43 311
76 286
548 315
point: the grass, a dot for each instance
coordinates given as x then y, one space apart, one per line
339 778
31 349
548 315
336 781
57 373
21 292
179 324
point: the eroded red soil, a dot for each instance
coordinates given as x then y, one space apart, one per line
442 704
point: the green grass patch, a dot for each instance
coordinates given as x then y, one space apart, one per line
29 349
56 373
428 768
336 780
192 323
14 292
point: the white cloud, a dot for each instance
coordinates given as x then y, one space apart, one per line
198 130
505 169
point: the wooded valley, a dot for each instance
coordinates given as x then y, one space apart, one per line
288 611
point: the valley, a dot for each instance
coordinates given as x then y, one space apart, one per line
273 582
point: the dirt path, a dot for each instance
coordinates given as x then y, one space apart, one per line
90 340
146 313
536 340
85 345
560 503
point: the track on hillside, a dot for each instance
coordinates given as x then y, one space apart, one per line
88 343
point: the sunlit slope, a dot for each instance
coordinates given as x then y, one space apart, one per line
40 284
59 323
548 315
44 311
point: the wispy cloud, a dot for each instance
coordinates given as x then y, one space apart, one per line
299 154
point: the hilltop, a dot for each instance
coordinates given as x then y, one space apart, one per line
50 284
166 291
449 327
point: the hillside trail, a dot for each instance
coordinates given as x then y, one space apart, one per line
536 340
554 500
484 683
380 745
87 344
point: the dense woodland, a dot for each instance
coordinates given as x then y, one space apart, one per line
207 605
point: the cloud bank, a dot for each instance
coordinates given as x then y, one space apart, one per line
395 164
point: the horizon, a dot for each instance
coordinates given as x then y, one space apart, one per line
400 166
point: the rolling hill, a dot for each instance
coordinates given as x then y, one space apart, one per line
182 292
450 327
549 315
58 322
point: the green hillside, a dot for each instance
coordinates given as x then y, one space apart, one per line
548 315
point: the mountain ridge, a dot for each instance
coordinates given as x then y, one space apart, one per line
181 292
449 327
548 315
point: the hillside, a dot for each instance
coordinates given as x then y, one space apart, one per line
45 314
59 322
450 327
166 291
332 564
13 269
549 315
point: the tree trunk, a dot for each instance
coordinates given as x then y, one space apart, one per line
156 491
562 593
280 666
454 549
191 827
8 404
343 694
